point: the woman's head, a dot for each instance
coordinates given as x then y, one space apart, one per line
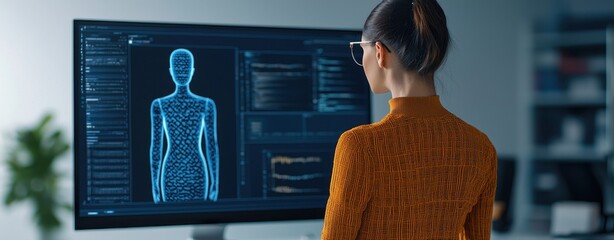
414 30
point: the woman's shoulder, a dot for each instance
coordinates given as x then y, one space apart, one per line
362 130
479 139
363 135
386 122
470 128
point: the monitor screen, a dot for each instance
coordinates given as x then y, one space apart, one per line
185 124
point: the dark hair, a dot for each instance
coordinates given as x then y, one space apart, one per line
416 30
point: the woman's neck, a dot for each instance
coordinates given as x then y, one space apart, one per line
404 84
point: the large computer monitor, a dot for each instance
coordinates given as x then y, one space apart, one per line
193 124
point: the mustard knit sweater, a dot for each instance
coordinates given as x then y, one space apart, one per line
419 173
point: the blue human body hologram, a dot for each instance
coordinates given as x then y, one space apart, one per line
182 171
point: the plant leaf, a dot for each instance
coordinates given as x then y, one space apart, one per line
31 173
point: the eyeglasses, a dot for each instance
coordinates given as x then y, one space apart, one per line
358 52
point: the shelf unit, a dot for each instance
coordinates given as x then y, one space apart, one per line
571 111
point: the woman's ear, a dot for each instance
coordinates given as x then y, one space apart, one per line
381 54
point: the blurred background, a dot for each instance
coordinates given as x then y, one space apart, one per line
530 74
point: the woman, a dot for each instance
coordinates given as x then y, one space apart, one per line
421 172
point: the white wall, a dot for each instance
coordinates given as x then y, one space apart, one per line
479 79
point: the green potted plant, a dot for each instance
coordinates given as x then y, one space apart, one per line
33 177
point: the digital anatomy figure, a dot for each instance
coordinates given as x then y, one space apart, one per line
185 123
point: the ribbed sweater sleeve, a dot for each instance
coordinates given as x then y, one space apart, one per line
479 220
346 205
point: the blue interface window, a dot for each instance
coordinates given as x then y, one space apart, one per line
195 118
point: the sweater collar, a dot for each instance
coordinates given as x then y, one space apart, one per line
417 106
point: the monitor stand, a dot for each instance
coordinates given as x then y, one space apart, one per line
208 232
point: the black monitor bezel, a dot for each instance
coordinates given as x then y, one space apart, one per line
82 223
608 191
